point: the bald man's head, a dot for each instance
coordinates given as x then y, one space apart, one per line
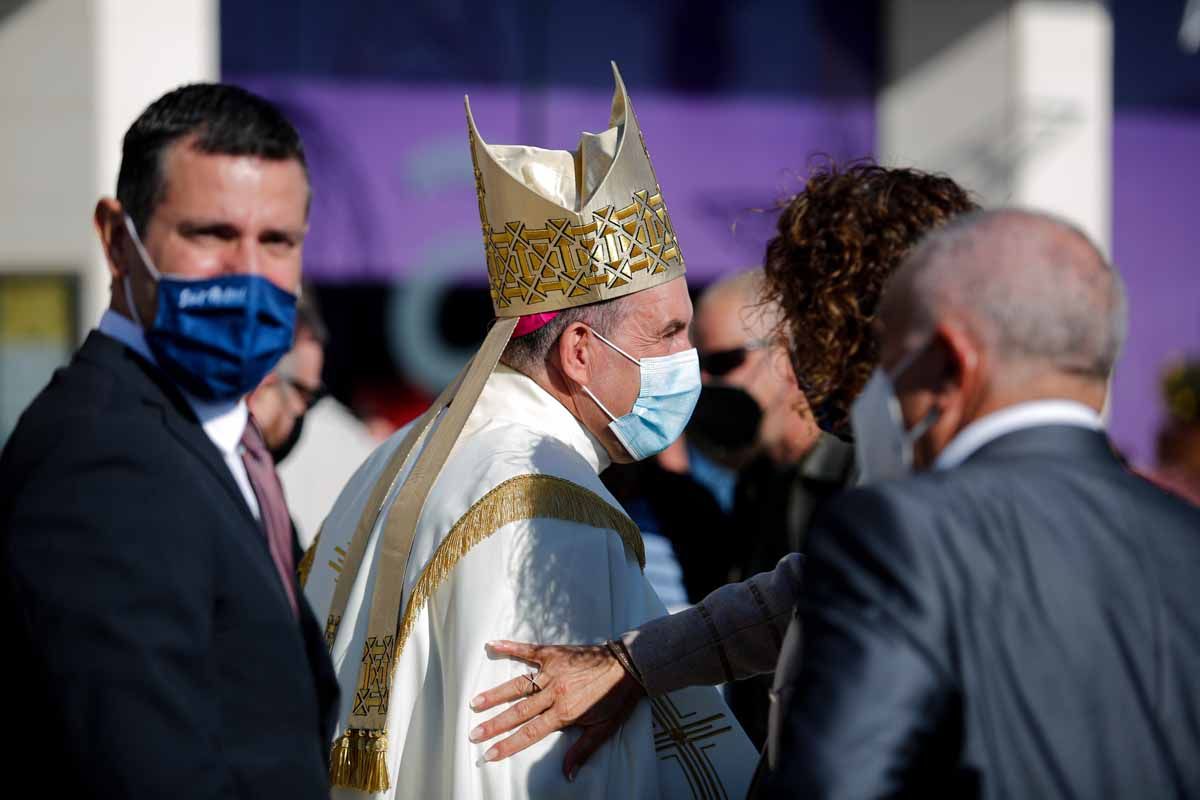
735 332
1030 286
737 300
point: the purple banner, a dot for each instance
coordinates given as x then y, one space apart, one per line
394 194
1156 246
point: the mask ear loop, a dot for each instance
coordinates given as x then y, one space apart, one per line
146 262
596 400
588 391
931 417
922 427
614 347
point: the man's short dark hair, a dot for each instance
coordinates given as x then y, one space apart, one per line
226 120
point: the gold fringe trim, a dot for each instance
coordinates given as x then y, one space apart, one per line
306 563
519 498
359 761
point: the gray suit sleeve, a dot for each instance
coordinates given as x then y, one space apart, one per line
733 633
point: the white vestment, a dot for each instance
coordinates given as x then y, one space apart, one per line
535 580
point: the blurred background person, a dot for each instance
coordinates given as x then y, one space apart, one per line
837 242
316 442
773 486
1178 442
281 401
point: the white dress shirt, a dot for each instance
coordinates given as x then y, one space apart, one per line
1033 414
224 422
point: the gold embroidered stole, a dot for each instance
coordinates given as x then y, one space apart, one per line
359 756
525 497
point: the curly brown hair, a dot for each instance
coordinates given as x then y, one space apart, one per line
838 241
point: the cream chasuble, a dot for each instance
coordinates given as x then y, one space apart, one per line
481 569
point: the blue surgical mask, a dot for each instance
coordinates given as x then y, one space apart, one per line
216 337
670 386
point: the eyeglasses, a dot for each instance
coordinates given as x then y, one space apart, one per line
723 362
310 395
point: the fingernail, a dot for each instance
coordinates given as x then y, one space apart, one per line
476 702
490 755
476 734
571 776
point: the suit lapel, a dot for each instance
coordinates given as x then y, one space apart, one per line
157 392
192 436
195 440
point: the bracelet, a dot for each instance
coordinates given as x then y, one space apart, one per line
617 649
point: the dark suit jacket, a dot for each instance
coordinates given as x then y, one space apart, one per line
155 650
1026 625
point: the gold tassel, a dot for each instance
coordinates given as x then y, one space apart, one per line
339 760
359 761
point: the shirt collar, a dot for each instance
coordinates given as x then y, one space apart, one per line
1033 414
514 396
127 332
223 421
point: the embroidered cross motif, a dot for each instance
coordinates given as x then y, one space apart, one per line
685 739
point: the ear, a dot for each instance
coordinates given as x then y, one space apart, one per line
781 364
961 368
577 354
109 221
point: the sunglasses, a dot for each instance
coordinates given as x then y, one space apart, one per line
723 362
310 395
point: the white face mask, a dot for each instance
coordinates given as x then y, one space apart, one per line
883 448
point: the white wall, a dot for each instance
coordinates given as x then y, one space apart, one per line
77 73
1011 98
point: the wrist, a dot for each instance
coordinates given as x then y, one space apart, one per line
617 650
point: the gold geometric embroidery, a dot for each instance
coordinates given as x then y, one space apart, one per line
618 247
331 627
373 694
676 738
306 564
336 566
527 265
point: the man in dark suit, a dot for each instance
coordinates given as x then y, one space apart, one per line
161 647
1020 620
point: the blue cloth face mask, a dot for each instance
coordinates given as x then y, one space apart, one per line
670 387
216 337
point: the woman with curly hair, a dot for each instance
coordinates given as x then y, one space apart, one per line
838 241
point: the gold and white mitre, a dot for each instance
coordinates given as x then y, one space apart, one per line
560 229
564 229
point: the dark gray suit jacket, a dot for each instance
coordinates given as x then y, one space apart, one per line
1025 625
